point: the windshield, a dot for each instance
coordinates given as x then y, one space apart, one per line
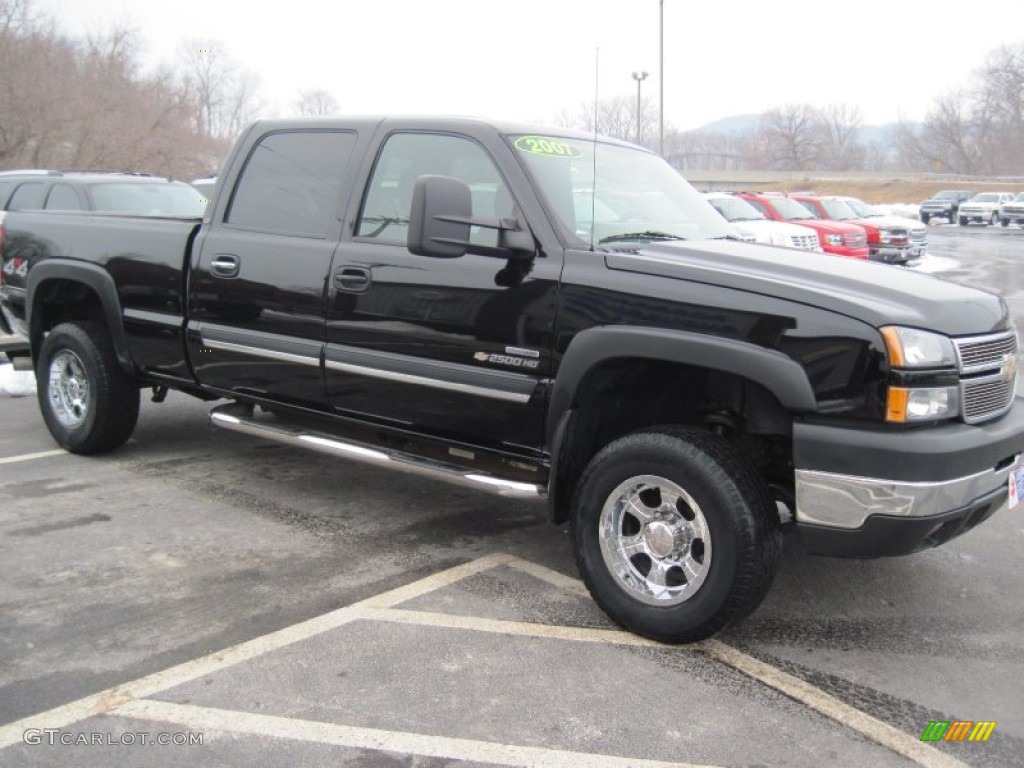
1019 198
790 210
838 210
636 196
985 197
862 209
947 194
148 199
735 209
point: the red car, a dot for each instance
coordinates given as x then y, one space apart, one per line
891 239
836 237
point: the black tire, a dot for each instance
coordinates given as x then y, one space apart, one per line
962 221
732 516
995 218
925 218
1004 222
94 405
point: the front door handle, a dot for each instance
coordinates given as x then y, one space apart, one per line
352 279
224 265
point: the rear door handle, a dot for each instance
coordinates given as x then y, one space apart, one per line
224 265
352 279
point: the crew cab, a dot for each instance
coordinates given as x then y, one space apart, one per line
434 296
759 228
891 239
836 237
943 205
1012 210
982 208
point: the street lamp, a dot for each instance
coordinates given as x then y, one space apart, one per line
639 77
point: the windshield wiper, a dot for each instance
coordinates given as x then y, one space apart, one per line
639 236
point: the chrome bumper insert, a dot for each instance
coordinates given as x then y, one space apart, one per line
846 501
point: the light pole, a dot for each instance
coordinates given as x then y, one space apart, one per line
661 77
639 77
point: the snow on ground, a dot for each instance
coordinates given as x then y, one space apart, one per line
16 383
906 210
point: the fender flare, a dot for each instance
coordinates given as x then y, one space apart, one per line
779 374
92 276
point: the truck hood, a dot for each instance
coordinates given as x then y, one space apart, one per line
876 294
830 225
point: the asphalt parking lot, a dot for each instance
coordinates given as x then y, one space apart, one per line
284 608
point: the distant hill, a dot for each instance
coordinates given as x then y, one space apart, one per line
741 125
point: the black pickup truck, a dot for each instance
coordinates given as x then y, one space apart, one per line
544 315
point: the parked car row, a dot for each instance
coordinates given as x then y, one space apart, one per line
841 226
958 206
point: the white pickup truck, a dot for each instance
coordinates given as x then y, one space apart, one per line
753 225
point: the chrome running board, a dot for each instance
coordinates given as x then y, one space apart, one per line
239 418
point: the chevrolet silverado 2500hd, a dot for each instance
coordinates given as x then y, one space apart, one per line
538 314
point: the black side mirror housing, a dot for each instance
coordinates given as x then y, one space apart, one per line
441 218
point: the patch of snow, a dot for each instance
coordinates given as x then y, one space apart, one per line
935 264
906 210
16 383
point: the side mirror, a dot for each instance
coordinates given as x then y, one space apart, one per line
441 219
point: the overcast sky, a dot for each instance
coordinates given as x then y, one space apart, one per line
530 59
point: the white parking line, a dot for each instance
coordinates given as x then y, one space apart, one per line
206 718
104 701
789 685
122 699
31 456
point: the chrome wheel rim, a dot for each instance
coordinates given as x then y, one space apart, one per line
655 540
68 389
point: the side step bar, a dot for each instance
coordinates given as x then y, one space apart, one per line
239 418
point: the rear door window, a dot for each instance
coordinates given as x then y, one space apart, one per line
63 198
293 182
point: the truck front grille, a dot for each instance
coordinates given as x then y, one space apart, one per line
988 367
918 236
807 242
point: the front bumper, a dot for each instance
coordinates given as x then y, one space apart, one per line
1011 215
976 215
890 254
876 492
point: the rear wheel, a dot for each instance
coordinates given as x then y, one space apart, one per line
676 534
88 402
962 221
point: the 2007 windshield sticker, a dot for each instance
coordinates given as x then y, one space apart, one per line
547 146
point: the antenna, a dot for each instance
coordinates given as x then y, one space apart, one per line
593 182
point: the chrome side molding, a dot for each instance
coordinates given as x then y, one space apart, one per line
238 418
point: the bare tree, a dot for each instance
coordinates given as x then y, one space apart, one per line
316 102
224 96
840 124
616 117
792 137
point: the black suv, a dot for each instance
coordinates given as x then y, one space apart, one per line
944 204
114 192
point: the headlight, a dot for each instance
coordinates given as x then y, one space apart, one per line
834 239
913 348
893 236
923 404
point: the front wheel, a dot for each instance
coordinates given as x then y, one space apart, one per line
88 402
962 221
995 218
1004 222
676 534
925 218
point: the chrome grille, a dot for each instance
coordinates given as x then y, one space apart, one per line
855 241
989 367
983 352
985 400
807 242
919 236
